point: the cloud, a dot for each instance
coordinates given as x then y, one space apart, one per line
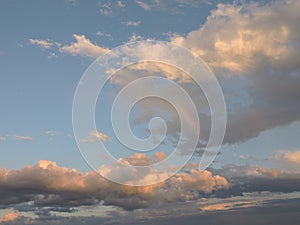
95 136
106 9
47 188
45 44
101 34
144 5
255 58
257 179
131 23
292 157
23 138
254 50
228 206
52 132
9 217
238 37
159 156
232 171
288 160
83 47
120 4
2 138
46 184
135 37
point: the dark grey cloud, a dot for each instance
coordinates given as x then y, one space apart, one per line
276 211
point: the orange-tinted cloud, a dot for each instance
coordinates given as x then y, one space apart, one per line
46 183
9 217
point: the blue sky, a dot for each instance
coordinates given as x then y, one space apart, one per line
46 46
37 90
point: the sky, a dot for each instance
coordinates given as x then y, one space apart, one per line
47 171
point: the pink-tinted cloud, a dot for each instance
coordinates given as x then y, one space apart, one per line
73 188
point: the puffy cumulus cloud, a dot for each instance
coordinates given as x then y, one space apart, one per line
159 156
291 157
150 68
239 37
48 185
288 160
188 186
83 47
139 159
258 42
95 136
9 217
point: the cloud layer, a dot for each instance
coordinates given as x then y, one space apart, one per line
47 184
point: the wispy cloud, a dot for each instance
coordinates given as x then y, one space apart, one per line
95 136
131 23
23 138
106 9
143 5
46 44
101 34
2 138
120 4
53 133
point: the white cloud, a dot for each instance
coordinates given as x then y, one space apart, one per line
120 4
95 136
83 47
131 23
101 34
23 138
143 5
72 2
135 37
106 9
239 37
45 44
52 132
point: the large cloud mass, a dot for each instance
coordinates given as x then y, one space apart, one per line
256 45
47 184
